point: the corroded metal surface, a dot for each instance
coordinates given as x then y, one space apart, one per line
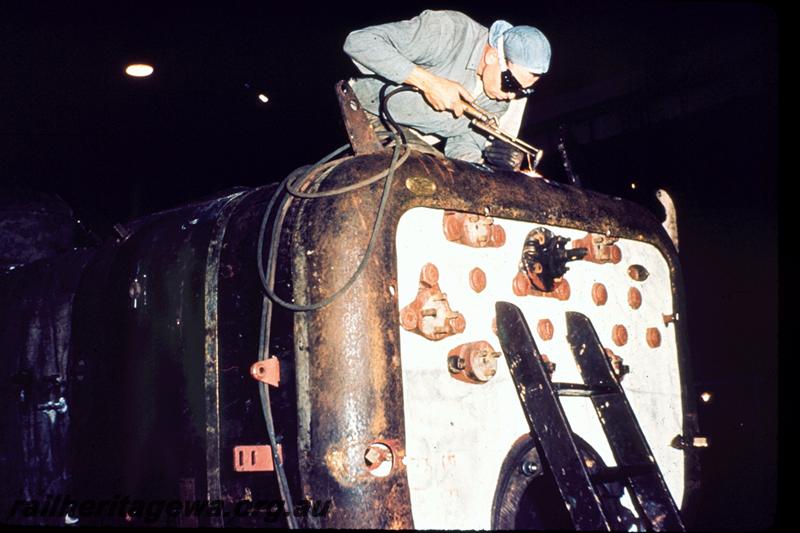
361 135
183 284
351 345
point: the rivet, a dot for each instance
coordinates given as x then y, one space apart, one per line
545 329
638 272
529 468
619 334
616 254
520 284
429 274
653 337
498 235
599 294
477 279
562 291
634 298
458 323
408 319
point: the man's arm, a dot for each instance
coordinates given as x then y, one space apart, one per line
440 93
399 51
467 147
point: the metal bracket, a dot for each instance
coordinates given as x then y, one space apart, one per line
267 371
256 458
359 131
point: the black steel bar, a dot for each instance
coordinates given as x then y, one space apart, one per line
627 441
579 389
546 418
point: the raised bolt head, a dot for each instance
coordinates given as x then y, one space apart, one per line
429 274
653 337
529 468
498 235
616 254
599 294
634 298
619 334
638 272
545 329
477 279
408 318
520 285
458 323
562 290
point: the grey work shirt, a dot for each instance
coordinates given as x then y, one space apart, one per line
446 43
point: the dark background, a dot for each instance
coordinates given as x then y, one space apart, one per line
680 96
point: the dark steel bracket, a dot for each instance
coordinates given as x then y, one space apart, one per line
359 131
636 466
267 371
546 418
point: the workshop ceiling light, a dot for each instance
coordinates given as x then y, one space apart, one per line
139 70
263 97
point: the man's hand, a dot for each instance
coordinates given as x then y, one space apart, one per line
440 93
503 156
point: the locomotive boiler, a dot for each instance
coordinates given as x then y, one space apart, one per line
349 340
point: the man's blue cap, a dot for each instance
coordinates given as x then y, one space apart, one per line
525 46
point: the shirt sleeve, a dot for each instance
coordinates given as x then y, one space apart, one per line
467 147
392 50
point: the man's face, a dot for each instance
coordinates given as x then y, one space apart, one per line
491 77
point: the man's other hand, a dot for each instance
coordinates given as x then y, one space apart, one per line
440 93
503 156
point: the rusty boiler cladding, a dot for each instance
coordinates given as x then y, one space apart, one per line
133 368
